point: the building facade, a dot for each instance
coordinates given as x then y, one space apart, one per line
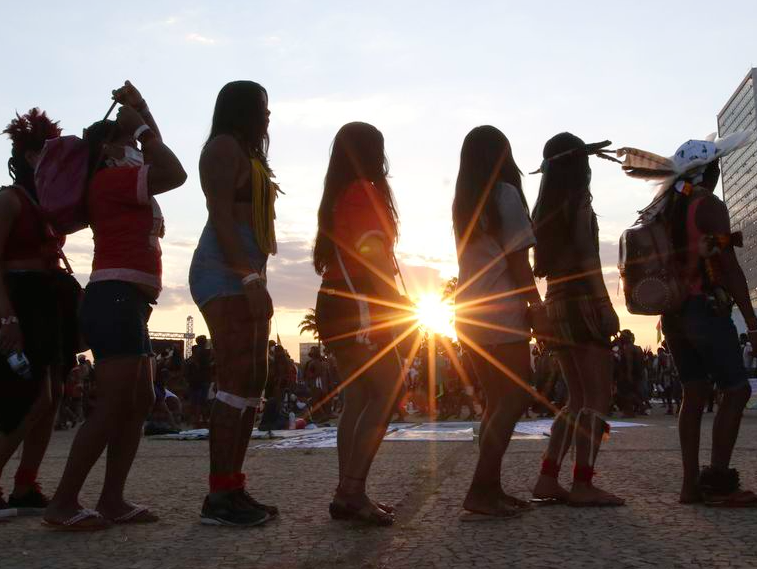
739 174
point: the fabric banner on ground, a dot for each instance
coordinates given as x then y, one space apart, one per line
325 437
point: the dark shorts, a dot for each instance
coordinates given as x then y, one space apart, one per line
339 319
114 316
705 345
31 295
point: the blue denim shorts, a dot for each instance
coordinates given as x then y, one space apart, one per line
705 345
210 276
114 316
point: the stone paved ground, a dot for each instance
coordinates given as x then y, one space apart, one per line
427 482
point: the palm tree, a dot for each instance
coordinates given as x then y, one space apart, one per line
449 288
308 325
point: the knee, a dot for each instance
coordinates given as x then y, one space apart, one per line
737 398
696 395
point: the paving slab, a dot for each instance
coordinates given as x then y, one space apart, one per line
427 481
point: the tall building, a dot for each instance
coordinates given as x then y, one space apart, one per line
739 174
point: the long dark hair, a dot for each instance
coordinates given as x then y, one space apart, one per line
564 184
241 113
96 136
28 133
357 153
486 158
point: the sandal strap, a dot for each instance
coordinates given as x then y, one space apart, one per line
82 515
137 510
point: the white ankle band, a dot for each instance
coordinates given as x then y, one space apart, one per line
236 401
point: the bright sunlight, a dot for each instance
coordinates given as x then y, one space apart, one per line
436 315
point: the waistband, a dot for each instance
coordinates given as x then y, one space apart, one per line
209 248
119 286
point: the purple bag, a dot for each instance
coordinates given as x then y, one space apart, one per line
61 180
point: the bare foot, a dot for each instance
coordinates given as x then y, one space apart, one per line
515 502
114 510
492 502
587 495
548 488
60 513
690 495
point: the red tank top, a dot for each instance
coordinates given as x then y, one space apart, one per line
30 237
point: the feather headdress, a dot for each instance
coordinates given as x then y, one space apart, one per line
686 165
31 130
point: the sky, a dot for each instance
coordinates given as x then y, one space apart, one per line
649 74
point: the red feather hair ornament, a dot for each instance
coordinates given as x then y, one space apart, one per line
29 132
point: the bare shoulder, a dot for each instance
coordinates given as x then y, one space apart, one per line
224 150
9 200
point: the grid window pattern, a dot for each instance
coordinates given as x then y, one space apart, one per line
739 176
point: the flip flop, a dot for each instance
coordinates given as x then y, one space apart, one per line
594 504
517 503
739 499
83 520
366 513
550 501
138 515
502 514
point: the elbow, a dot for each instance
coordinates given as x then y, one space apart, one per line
179 177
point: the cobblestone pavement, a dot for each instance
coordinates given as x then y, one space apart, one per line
427 482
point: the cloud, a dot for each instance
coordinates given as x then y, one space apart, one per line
197 38
292 281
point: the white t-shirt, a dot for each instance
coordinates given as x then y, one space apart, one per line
485 250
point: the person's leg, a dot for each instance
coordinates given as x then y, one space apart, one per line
383 381
238 377
116 378
507 401
123 445
36 441
356 395
725 427
594 364
254 388
695 395
561 436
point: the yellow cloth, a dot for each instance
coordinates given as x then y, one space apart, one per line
264 192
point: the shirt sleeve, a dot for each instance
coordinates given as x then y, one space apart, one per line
516 232
123 185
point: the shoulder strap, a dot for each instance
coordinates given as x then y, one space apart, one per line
48 228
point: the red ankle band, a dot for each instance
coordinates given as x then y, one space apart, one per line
222 482
25 477
550 468
241 479
583 474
